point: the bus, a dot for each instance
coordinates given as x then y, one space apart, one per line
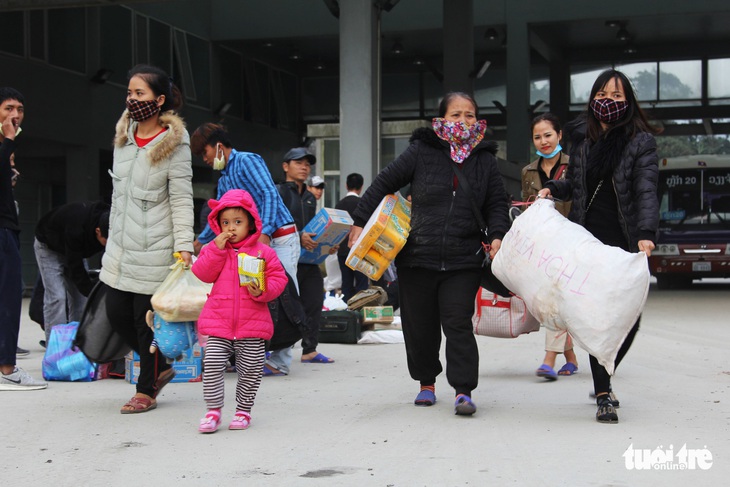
694 220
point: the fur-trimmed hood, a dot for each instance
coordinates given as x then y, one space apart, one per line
164 144
428 136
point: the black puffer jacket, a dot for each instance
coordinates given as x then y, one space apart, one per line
634 182
444 232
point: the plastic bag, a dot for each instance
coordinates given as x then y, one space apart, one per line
333 302
96 336
62 360
181 296
570 280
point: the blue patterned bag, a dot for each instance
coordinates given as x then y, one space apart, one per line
63 361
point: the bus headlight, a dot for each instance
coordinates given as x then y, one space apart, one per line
669 249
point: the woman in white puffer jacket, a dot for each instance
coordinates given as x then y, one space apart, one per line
151 218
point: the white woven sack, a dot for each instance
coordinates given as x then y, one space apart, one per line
500 317
569 279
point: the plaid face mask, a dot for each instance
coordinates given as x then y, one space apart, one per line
142 110
609 111
462 138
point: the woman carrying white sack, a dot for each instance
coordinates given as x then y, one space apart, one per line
612 181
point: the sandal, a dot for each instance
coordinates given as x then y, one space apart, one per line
547 372
270 370
209 424
140 403
568 369
163 379
241 421
464 405
425 398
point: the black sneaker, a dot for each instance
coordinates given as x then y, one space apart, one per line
21 352
606 412
611 396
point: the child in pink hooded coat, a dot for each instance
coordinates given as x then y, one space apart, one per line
236 318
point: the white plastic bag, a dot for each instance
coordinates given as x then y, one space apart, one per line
333 281
333 302
569 279
181 296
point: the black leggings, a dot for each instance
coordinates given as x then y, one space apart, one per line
601 379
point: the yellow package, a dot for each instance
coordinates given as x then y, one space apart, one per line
382 238
251 268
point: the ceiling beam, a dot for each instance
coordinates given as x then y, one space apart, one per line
40 4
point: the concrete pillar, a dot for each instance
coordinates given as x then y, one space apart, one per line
458 31
560 90
518 90
359 90
82 173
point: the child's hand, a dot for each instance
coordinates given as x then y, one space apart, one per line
254 289
221 239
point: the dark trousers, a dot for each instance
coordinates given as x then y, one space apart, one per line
11 295
127 315
601 379
432 301
352 281
311 290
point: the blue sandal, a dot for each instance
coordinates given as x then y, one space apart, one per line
568 369
547 372
425 398
464 406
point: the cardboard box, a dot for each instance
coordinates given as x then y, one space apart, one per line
382 238
377 314
331 227
187 369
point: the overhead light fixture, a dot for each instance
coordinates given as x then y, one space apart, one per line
397 48
102 76
319 66
623 35
418 61
295 55
268 44
223 109
630 49
613 23
491 34
478 73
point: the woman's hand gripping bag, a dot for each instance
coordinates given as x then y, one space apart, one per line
181 296
570 280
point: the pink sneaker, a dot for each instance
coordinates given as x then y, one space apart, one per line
209 424
241 421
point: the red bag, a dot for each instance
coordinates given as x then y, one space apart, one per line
500 317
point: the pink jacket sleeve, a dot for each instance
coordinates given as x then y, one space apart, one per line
210 263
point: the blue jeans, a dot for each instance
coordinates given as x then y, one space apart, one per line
62 300
287 249
11 295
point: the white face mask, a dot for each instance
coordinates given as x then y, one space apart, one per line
219 162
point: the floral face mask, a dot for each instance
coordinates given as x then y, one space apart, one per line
462 138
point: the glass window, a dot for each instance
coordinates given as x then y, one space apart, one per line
644 78
115 46
581 82
391 148
400 93
67 38
160 46
331 155
680 80
142 36
199 50
487 89
540 91
37 34
12 33
718 73
231 82
320 98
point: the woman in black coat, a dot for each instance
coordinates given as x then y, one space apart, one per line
440 265
612 180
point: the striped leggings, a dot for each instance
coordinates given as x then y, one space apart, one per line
250 357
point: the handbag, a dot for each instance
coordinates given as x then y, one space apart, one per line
96 336
500 317
489 280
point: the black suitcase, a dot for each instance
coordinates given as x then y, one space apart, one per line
340 326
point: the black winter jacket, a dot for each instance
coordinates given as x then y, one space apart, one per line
444 233
70 230
634 182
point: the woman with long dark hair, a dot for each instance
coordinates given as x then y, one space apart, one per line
151 218
612 182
